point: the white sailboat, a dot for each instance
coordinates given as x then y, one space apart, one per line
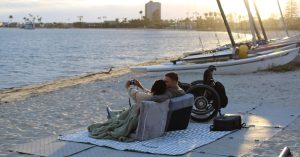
229 67
288 38
262 58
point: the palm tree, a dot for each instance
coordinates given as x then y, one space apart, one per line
39 19
141 13
103 17
10 19
206 15
215 15
125 20
99 18
80 18
26 19
33 19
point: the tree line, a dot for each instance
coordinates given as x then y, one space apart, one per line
209 21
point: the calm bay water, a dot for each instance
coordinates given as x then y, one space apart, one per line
35 56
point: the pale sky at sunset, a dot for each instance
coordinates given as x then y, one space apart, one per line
68 10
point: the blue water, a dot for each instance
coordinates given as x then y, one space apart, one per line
35 56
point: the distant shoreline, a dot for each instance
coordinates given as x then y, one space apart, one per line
141 28
75 28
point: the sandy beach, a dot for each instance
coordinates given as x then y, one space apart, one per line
57 107
19 93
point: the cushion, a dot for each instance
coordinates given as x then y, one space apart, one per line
184 101
152 120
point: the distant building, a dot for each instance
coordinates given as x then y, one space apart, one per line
153 11
28 25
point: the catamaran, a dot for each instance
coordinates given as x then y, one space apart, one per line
264 56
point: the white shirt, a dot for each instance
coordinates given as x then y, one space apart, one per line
138 94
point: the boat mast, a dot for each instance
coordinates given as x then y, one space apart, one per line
260 21
226 24
282 19
252 23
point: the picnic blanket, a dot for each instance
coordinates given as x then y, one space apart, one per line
172 143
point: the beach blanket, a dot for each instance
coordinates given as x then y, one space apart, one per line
172 143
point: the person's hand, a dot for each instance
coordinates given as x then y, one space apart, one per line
127 84
138 83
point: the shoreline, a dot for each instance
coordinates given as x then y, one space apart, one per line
23 92
141 28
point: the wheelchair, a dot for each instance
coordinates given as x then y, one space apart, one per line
209 96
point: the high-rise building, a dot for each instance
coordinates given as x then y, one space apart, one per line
153 11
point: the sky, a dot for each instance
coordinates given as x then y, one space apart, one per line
69 10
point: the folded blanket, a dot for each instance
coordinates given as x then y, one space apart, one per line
118 127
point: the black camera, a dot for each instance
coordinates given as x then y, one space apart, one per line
131 82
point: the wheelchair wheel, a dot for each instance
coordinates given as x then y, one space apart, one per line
206 102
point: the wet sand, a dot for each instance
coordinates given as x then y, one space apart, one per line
57 108
14 94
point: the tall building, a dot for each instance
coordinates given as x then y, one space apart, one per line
153 11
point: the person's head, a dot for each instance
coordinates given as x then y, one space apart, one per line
171 79
159 87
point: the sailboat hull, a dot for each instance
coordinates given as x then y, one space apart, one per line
230 67
295 39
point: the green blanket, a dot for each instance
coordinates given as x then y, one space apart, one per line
118 127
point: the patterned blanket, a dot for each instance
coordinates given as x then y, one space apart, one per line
172 143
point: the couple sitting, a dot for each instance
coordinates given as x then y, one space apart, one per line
121 124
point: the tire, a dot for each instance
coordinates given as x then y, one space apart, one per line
184 86
206 103
197 82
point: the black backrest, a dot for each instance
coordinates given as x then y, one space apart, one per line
179 119
180 109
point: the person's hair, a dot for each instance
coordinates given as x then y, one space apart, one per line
159 87
172 76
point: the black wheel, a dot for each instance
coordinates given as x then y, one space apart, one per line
197 82
206 103
184 86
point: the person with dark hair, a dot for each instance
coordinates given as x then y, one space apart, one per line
121 124
172 76
159 87
173 90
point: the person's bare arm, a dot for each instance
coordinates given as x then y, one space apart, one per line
137 95
139 84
